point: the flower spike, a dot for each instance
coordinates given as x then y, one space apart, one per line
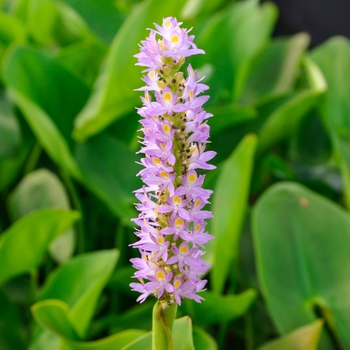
171 204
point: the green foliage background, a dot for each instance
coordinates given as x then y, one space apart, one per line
280 276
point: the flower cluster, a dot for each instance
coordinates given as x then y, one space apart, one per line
172 219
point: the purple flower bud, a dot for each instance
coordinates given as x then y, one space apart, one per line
171 233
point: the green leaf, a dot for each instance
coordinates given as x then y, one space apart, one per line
101 159
79 284
203 340
40 20
11 327
228 116
285 118
248 26
303 338
10 133
218 308
195 8
182 334
229 209
274 70
42 189
47 133
114 95
296 263
23 245
32 78
55 316
83 59
333 58
12 32
102 17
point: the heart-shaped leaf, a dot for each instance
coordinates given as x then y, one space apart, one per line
296 233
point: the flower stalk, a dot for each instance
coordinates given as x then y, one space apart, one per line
172 217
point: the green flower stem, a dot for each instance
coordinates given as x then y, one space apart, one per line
162 325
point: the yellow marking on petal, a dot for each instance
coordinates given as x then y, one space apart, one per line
177 200
184 249
192 178
166 128
155 211
191 72
194 150
191 94
147 97
152 75
160 240
201 147
160 275
175 39
167 24
197 228
164 175
156 161
198 202
177 284
167 96
179 222
163 145
155 117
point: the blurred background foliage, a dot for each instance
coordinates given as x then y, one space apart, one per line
280 276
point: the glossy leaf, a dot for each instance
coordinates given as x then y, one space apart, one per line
83 59
203 340
10 133
110 169
229 208
38 190
113 94
229 116
219 308
247 25
333 58
274 70
285 118
182 334
81 294
33 78
296 233
55 316
102 17
40 19
12 32
303 338
31 234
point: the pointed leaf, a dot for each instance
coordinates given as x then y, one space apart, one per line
42 189
114 93
274 70
81 294
55 316
23 245
303 338
229 208
219 308
110 169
